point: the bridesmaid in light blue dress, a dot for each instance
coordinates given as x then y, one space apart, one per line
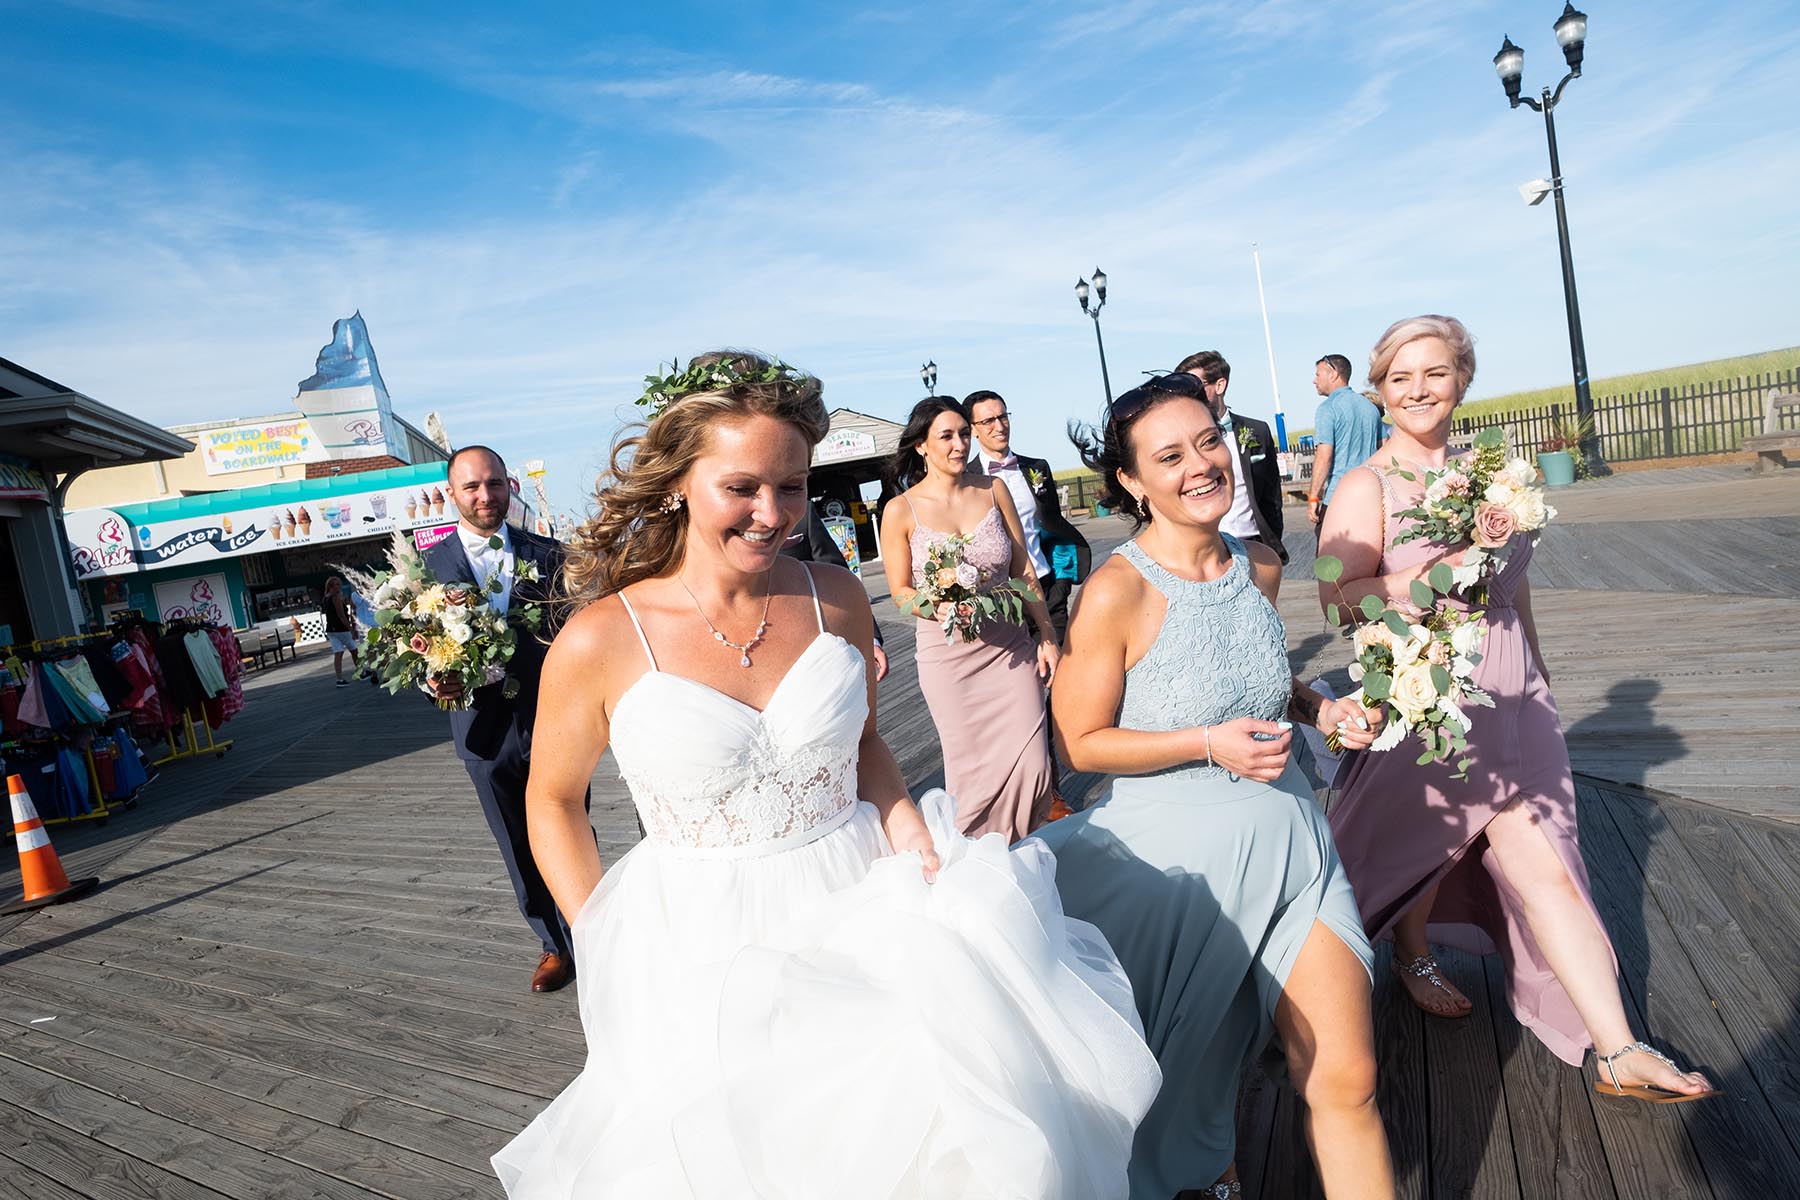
1209 867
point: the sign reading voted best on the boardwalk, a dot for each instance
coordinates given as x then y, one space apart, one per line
259 446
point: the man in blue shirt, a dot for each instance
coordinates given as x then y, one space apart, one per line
1346 432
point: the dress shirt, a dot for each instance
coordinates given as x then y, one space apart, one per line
1239 520
485 560
1024 499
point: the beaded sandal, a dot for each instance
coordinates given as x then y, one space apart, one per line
1649 1093
1426 967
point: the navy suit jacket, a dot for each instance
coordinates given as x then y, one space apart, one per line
1054 529
480 730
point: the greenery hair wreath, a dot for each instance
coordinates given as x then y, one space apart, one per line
663 389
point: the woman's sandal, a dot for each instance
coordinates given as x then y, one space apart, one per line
1225 1189
1649 1093
1426 967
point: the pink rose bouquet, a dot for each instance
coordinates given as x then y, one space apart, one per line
952 595
1483 501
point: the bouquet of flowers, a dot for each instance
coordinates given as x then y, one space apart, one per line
425 629
1417 659
950 592
1480 501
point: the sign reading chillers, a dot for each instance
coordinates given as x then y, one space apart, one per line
103 542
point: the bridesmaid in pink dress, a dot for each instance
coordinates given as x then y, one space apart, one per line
1490 862
986 696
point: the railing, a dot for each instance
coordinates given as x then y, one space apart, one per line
1675 422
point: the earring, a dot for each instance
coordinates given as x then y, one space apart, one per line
671 502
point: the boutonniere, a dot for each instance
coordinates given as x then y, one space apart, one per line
525 571
1247 441
1035 478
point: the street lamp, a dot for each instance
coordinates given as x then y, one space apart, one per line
928 376
1099 294
1509 64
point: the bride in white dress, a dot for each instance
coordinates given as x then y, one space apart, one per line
798 985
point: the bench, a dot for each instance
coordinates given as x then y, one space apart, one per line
250 647
1774 443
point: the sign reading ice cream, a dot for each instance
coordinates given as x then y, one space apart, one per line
104 542
254 447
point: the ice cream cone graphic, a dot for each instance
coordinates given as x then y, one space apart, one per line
437 502
275 526
412 506
305 522
226 522
287 521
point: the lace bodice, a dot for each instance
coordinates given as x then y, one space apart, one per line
1221 654
709 774
989 550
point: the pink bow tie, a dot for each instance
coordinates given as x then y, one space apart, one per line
994 468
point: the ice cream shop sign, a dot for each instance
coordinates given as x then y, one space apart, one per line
200 529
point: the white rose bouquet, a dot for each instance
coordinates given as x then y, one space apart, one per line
1417 659
1481 501
950 593
426 629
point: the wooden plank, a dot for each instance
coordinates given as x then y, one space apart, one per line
1471 1141
1556 1148
199 1155
1759 1062
60 1157
1403 1088
263 1131
1648 1148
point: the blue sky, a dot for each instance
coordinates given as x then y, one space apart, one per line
533 205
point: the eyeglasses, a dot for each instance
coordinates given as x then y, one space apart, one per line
990 422
1131 405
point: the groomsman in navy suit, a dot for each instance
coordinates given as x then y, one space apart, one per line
493 735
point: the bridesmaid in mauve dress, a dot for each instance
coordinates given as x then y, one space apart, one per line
986 696
1489 862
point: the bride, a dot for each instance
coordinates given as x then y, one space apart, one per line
798 984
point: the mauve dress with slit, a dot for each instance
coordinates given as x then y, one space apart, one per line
1401 827
986 700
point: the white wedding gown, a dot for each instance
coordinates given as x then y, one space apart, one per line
776 1005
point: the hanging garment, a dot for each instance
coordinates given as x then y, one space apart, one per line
181 685
113 685
35 706
222 708
73 796
10 724
89 703
128 767
205 658
129 661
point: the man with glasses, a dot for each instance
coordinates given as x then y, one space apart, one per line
1059 554
1255 514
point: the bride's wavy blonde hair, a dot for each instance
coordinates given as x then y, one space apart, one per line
632 533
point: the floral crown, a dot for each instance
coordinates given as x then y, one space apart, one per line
662 390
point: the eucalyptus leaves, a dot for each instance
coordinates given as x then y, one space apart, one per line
1419 659
663 389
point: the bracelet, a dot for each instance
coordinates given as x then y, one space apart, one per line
1206 732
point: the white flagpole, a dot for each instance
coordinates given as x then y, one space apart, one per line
1274 383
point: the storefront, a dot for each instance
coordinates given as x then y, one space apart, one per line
252 555
50 435
848 474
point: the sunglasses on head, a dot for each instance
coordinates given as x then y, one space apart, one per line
1129 405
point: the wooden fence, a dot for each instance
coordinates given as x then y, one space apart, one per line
1674 422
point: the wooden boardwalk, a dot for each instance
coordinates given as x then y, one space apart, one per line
304 976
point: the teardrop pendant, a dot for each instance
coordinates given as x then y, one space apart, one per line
744 661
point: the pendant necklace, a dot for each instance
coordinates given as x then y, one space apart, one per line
762 626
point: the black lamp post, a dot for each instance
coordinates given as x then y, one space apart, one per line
1509 64
1099 293
928 377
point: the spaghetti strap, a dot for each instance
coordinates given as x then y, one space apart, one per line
1386 495
642 640
910 508
811 587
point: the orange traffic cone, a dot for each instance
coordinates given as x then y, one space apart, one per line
39 868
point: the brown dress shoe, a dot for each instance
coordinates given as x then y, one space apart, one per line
553 971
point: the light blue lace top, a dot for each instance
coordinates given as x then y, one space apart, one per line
1221 654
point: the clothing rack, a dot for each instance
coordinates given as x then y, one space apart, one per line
191 730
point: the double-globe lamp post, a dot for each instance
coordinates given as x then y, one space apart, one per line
1509 64
928 377
1093 310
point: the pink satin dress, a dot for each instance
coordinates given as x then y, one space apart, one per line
1401 827
986 701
